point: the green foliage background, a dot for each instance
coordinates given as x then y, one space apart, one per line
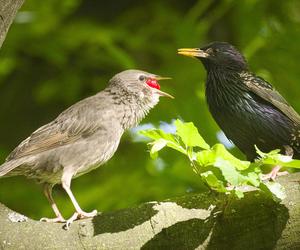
58 52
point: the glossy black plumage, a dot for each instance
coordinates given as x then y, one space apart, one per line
246 107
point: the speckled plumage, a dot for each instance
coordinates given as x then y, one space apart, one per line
246 107
86 135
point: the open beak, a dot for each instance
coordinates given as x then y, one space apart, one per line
164 94
161 93
162 78
193 52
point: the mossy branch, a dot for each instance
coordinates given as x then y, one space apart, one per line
202 221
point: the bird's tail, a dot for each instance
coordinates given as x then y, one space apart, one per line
7 167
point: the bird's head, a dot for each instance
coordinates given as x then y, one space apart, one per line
138 91
141 85
217 55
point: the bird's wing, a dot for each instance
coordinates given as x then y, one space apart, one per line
263 89
65 129
45 138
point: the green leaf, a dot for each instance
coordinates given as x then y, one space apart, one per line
176 146
217 167
253 179
205 157
262 154
275 189
157 134
291 164
157 146
239 194
189 135
150 133
213 182
281 160
231 175
221 152
274 158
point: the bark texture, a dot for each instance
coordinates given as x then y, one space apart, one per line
8 11
198 221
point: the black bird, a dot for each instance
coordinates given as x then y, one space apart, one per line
246 107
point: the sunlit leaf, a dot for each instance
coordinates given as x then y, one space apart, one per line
275 158
222 152
157 134
190 135
229 172
276 190
205 157
219 169
157 146
239 194
262 154
213 181
253 179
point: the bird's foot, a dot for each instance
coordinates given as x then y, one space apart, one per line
57 219
83 214
79 215
273 174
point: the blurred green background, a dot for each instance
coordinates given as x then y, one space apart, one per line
58 52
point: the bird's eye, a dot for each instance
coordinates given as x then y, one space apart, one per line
210 51
142 78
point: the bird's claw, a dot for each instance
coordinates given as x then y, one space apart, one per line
83 214
57 219
273 174
79 215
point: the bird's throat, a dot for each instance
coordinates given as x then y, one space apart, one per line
224 88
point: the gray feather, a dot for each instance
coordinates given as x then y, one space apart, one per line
85 135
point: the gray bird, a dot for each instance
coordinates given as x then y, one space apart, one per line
84 136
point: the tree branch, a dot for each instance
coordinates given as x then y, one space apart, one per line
8 11
204 220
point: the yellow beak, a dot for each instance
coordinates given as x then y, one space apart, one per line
161 93
192 52
162 78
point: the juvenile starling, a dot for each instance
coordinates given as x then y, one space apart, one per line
246 107
84 136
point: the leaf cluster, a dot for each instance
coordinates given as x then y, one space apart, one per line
218 168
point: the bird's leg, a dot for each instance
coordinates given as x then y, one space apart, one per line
79 214
48 194
276 170
274 173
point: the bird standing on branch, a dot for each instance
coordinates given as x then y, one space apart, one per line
84 136
246 107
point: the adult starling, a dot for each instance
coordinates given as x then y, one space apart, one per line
246 107
84 136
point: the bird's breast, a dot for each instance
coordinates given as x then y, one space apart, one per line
246 119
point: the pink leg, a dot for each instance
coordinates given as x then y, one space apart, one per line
274 173
79 214
48 194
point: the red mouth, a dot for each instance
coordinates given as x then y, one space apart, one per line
151 82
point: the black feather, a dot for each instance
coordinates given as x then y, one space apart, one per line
246 107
